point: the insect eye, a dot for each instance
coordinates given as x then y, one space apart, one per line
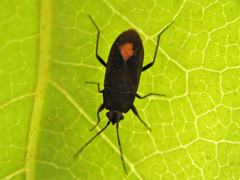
122 117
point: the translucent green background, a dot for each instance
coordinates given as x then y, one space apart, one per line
46 109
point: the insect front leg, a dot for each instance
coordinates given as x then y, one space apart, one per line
102 105
99 110
134 110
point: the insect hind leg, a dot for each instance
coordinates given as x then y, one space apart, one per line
97 56
155 54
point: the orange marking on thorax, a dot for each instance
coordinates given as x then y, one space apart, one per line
127 51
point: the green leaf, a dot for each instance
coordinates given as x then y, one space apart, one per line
47 52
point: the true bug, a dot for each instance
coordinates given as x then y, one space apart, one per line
123 71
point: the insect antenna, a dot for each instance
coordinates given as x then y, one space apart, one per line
120 148
91 140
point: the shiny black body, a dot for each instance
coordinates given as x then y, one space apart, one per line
123 72
122 76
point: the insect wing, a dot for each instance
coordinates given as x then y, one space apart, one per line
125 61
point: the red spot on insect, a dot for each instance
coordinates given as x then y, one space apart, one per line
127 51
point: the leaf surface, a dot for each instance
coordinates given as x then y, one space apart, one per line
47 53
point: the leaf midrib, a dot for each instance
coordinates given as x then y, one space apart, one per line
42 79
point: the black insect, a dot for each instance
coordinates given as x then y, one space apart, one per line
124 67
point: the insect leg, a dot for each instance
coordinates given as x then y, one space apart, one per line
102 105
99 110
101 91
142 97
91 140
134 110
98 57
120 148
155 54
